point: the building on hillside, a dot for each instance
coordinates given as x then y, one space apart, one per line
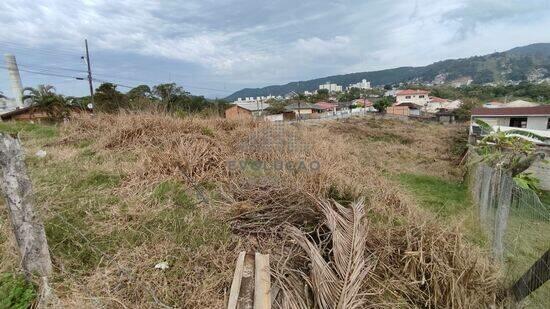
417 97
331 87
363 85
246 110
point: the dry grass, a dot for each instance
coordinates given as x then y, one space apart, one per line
145 188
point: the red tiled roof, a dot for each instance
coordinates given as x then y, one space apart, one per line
411 92
326 106
438 100
543 110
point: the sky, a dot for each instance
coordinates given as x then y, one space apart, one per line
216 47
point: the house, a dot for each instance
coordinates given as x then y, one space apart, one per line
32 113
246 110
304 110
362 103
535 119
326 107
436 105
417 97
404 109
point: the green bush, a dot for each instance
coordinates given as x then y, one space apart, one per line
15 292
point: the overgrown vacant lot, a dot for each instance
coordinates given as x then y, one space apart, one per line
121 193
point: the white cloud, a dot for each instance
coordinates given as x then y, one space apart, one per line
248 42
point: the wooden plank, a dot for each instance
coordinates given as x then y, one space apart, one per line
536 276
246 294
236 284
262 291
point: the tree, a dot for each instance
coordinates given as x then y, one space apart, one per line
108 99
382 104
43 98
172 96
139 92
2 96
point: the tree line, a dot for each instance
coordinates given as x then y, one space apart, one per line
168 97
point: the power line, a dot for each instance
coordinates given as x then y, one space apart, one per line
44 73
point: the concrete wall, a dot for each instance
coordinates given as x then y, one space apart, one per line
537 123
237 112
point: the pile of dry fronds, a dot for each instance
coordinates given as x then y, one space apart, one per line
379 252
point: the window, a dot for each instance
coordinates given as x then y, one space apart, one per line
548 124
407 97
518 122
422 96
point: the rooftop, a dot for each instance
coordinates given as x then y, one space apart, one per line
253 106
411 92
543 110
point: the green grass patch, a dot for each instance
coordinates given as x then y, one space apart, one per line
31 130
15 292
443 197
172 191
100 179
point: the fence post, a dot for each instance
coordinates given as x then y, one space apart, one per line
27 227
504 200
536 276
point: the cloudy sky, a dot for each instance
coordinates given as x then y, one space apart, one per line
214 47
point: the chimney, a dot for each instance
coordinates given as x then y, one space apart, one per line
16 87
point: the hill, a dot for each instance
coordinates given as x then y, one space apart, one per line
526 63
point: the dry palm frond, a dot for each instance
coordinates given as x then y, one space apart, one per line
337 283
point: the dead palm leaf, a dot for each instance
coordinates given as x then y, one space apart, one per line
336 282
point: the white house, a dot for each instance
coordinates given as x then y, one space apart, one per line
417 97
535 119
364 84
331 87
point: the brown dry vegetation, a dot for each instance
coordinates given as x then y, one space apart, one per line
120 193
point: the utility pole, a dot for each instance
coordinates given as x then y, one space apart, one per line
89 73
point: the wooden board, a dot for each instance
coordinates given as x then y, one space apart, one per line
236 284
262 286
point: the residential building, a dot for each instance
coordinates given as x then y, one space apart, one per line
246 110
331 87
364 84
535 119
436 105
404 109
417 97
303 109
326 107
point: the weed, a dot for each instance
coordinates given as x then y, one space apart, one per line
16 292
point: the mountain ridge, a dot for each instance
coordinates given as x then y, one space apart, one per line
529 63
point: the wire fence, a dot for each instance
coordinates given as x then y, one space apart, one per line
516 224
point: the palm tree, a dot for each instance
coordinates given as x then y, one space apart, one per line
45 99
